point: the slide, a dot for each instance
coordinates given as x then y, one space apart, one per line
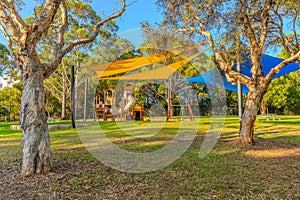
130 103
126 105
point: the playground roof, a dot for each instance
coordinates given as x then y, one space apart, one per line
268 62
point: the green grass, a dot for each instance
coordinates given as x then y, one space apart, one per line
269 170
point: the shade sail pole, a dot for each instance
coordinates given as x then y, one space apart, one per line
239 85
85 98
239 88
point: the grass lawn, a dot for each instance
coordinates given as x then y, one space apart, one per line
268 170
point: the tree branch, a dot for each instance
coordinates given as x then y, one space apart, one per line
94 33
294 29
265 22
10 6
62 29
9 42
248 28
220 59
231 75
276 69
286 41
54 91
156 92
5 19
42 23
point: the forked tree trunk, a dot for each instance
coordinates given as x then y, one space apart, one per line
249 116
35 136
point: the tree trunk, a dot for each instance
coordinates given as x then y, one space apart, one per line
264 107
170 109
249 116
170 105
35 136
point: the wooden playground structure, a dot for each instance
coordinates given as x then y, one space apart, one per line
127 109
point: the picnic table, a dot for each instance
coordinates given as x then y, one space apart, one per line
269 116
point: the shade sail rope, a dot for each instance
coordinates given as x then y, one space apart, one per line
123 66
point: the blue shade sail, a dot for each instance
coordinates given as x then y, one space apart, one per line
268 62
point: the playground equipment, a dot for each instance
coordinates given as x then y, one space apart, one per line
104 109
109 103
127 109
128 102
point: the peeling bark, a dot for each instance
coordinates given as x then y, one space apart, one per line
254 98
35 135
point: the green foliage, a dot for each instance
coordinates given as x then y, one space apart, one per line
109 50
284 92
4 58
7 69
10 101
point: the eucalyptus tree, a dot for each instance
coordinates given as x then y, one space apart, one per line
240 27
24 41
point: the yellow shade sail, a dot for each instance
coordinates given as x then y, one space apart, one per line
127 65
122 66
161 73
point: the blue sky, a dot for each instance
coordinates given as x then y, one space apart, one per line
140 10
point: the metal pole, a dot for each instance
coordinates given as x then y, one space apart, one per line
239 85
85 98
73 96
240 97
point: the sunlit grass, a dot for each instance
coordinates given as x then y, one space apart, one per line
269 170
273 153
